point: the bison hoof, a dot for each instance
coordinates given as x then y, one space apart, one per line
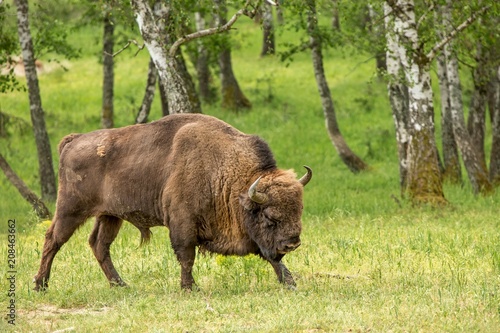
40 288
190 287
119 283
40 285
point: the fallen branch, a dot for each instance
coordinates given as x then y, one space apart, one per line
40 209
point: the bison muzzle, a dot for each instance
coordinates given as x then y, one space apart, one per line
213 186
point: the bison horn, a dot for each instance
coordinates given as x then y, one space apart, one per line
259 198
307 177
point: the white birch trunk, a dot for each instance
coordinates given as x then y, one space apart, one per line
180 93
398 95
268 42
451 160
46 169
424 178
476 169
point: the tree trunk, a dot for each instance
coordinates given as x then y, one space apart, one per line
335 15
424 183
202 69
149 94
280 17
179 87
161 16
163 98
232 96
46 169
268 43
475 166
398 97
495 128
37 204
108 74
452 170
351 160
377 30
476 123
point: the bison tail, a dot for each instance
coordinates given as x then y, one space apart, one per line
67 139
145 235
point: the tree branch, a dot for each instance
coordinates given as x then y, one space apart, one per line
213 31
422 18
130 41
435 50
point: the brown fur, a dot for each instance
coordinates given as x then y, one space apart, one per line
188 172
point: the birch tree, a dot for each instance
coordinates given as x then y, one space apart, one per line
108 71
165 52
232 95
473 162
268 42
451 160
476 122
46 169
207 94
147 101
350 159
179 88
398 94
424 182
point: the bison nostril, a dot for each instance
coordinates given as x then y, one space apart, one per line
291 247
288 245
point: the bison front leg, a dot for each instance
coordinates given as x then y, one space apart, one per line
106 229
185 253
284 275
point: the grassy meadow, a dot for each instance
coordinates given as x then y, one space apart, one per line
368 262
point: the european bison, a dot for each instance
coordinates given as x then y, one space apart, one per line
213 186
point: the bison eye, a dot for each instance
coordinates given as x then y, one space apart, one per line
270 222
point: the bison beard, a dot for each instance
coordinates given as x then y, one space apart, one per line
214 187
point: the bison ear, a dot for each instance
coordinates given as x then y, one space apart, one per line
246 202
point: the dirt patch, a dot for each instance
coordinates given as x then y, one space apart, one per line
51 310
48 317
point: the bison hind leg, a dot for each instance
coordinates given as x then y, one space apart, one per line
62 228
105 230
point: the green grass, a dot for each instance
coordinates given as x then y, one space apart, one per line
367 264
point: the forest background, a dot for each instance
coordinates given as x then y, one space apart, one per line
371 259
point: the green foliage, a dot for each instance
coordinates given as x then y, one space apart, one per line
368 260
8 47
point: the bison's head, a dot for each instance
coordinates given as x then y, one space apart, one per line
273 210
